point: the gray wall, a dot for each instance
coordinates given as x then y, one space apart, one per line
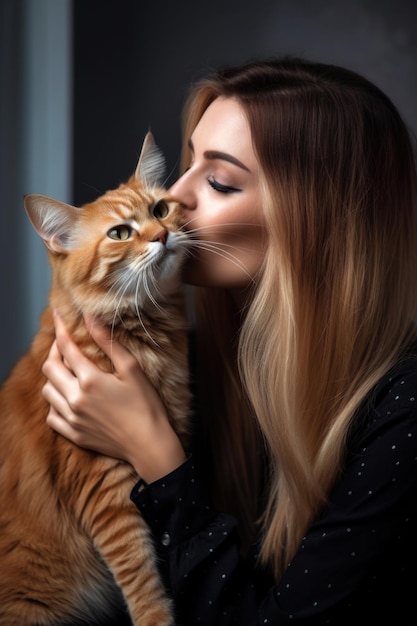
35 154
131 63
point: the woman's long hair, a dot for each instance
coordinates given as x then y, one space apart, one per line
335 302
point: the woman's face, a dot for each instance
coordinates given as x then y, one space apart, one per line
221 197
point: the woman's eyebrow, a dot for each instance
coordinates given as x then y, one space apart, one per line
212 155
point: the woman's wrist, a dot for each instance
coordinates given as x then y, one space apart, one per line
161 457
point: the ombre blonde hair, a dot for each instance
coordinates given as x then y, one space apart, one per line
334 305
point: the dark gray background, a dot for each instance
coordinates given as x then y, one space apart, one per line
122 67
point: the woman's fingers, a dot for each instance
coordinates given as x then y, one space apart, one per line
120 357
57 372
69 353
54 398
83 369
57 422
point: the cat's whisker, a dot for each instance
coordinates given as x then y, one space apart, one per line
215 249
148 290
198 229
221 246
146 270
121 297
121 293
117 314
193 235
137 308
144 327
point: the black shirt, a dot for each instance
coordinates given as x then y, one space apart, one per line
357 560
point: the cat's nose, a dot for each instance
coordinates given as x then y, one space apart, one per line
161 236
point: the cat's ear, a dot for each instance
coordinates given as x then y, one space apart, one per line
151 165
53 220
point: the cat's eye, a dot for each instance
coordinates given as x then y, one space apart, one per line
120 233
161 209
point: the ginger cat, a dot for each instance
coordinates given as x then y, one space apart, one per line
73 547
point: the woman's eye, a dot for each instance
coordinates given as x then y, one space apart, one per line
120 233
222 188
161 209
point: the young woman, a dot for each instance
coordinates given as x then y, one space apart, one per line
299 185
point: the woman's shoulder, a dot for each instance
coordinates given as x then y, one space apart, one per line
390 409
396 392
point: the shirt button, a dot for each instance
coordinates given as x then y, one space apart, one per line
165 539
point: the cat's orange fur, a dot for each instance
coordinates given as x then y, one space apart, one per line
67 525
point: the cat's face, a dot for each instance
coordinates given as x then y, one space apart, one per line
129 246
120 253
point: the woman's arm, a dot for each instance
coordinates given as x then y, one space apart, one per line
119 414
355 563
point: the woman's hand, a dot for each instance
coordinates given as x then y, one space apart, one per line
118 414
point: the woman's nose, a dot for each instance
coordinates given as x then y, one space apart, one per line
182 191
